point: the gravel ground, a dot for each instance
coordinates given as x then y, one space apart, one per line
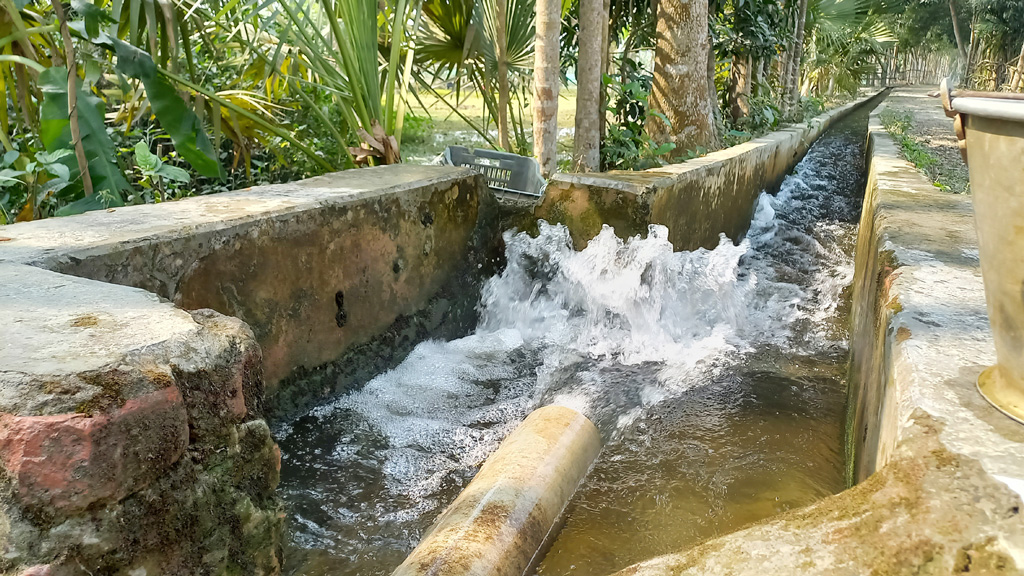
932 130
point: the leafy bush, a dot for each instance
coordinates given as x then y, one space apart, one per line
812 106
416 129
627 146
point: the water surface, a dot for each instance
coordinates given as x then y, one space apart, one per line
715 377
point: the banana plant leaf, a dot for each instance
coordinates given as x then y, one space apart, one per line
55 131
180 122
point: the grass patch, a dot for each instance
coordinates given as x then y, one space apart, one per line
898 125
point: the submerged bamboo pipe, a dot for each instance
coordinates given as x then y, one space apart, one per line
503 520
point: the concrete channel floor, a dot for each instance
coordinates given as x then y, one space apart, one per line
946 498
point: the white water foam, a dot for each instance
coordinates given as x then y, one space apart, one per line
609 330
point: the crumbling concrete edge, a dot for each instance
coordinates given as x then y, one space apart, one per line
131 435
939 470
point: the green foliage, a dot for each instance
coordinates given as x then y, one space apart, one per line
180 122
31 184
845 41
898 125
812 106
417 129
458 42
55 133
153 167
754 27
627 146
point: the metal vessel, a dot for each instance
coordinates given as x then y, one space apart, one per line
990 127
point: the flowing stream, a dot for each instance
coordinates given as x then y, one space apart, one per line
715 377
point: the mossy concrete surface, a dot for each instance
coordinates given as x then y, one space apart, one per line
131 438
940 472
143 347
316 268
698 200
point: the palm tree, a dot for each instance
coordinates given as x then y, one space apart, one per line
501 52
589 72
791 84
546 82
956 33
680 98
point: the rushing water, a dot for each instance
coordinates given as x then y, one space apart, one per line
715 377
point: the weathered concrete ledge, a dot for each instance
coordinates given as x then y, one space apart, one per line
131 438
942 470
132 432
697 200
372 260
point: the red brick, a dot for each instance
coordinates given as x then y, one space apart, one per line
66 462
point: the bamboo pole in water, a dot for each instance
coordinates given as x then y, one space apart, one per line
502 521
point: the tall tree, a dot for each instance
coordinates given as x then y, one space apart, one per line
739 87
791 94
589 72
546 81
501 52
1018 74
680 91
956 33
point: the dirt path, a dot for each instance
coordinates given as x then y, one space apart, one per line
934 132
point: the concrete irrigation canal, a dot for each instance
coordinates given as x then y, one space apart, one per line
762 361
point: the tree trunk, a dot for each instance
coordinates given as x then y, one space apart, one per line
586 155
972 52
606 68
546 81
1018 76
792 87
501 52
680 90
713 92
757 81
739 87
956 33
76 133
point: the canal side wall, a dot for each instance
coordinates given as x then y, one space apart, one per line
698 200
365 261
939 472
133 434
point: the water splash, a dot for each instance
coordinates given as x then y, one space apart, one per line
611 330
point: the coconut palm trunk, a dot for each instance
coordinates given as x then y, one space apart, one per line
546 81
586 155
501 51
791 96
680 92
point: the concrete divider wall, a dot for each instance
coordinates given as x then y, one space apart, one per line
366 261
697 200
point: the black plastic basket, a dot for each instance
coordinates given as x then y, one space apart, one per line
506 174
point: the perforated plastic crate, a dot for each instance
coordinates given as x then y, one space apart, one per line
506 173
